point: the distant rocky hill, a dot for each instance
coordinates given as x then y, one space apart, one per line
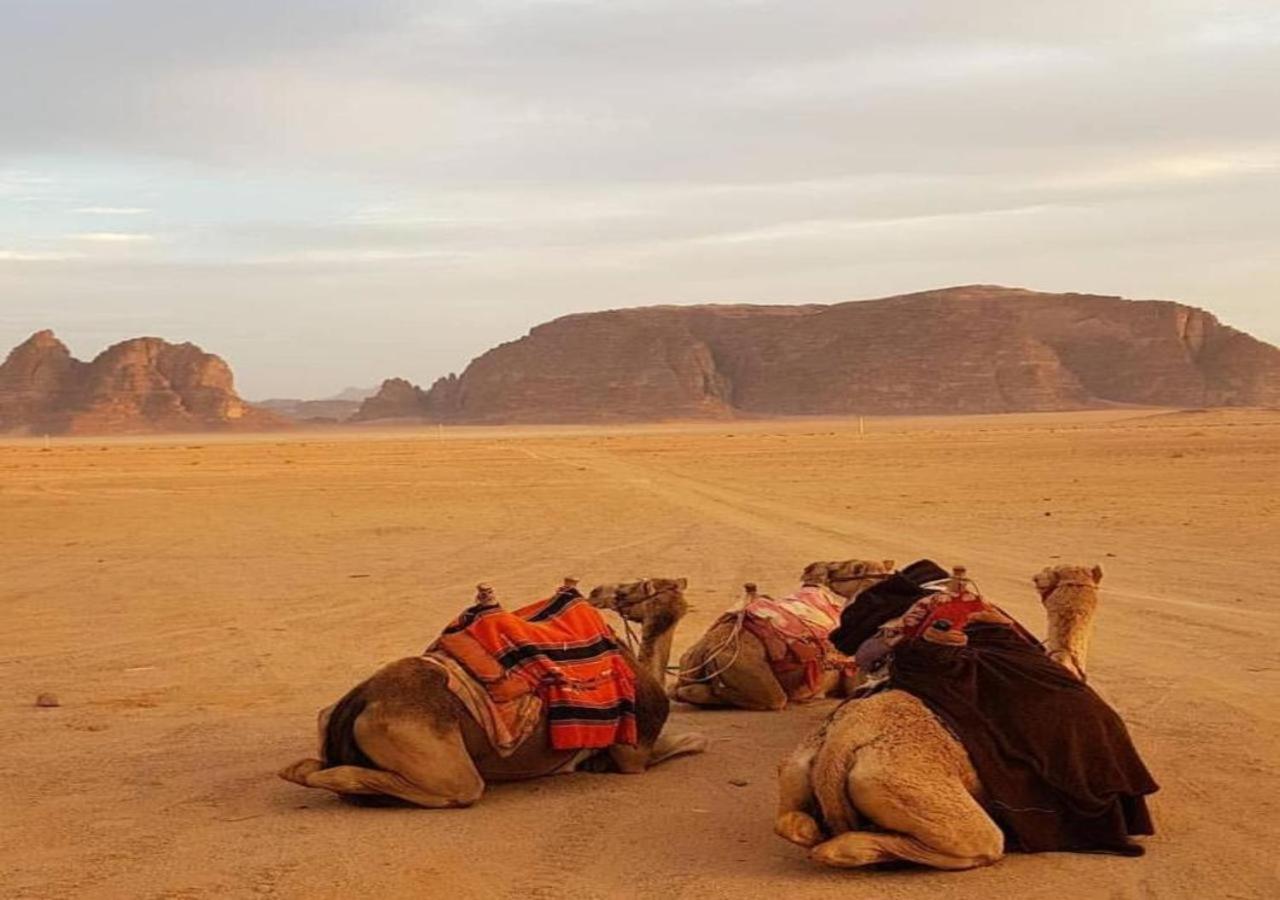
137 386
311 410
338 408
976 349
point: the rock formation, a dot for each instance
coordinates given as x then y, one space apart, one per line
136 386
976 349
399 399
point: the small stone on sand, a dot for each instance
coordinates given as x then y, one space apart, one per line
47 700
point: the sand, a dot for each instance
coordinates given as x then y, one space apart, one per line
193 601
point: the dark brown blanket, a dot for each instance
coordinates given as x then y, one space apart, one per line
884 600
1056 762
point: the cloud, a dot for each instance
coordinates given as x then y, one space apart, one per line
112 237
21 256
467 168
111 210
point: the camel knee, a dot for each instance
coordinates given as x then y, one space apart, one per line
696 695
851 850
984 845
469 795
795 779
798 827
299 772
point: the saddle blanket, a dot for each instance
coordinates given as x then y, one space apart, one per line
560 649
507 723
794 631
1058 768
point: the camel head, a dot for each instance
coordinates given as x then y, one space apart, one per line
848 578
641 601
658 604
1070 597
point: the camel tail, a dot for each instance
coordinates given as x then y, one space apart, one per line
340 747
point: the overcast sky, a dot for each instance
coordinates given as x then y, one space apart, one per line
330 192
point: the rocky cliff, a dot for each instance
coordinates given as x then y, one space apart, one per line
976 349
136 386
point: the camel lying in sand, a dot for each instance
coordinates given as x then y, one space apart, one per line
414 740
729 666
887 758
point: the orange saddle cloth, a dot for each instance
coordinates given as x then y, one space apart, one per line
562 650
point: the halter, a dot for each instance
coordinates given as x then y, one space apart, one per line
642 599
628 633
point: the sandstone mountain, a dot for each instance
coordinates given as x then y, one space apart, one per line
975 349
136 386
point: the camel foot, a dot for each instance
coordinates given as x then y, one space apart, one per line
680 745
865 848
299 771
798 828
849 851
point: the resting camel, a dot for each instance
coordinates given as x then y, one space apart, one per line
402 733
888 759
729 666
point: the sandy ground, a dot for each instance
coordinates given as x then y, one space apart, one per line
193 601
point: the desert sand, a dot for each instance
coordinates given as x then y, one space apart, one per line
193 601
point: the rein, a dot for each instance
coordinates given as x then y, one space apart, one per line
633 642
621 612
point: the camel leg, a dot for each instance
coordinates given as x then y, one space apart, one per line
937 822
796 803
634 760
322 724
696 694
670 746
416 763
356 780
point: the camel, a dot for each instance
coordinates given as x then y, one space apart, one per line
888 759
729 666
403 734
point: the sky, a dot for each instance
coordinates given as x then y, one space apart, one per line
331 192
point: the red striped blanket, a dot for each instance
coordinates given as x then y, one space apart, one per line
562 649
794 632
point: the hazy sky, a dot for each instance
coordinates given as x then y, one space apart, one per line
327 193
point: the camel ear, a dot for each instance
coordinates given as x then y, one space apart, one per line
1097 574
682 583
889 565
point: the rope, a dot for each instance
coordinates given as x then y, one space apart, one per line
735 638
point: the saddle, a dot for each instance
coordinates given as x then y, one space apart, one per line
794 631
560 649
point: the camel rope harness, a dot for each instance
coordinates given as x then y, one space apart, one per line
734 638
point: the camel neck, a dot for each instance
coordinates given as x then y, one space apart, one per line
1070 625
655 649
